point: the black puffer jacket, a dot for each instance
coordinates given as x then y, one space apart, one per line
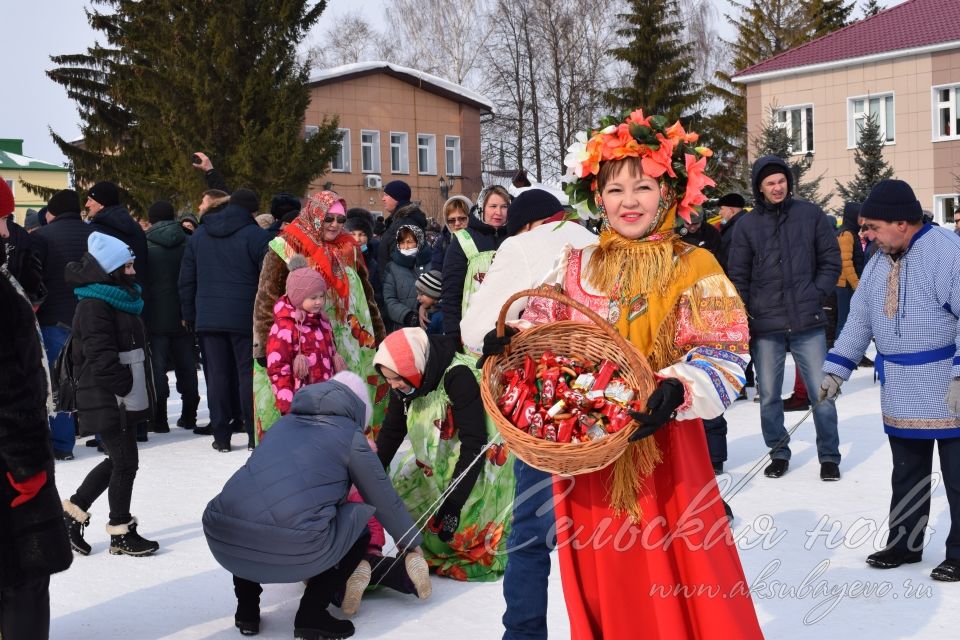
24 261
469 415
726 238
116 221
486 238
33 539
64 240
784 261
102 337
166 242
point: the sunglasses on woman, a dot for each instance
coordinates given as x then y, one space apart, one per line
329 218
457 220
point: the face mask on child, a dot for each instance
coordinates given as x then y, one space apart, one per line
363 248
408 252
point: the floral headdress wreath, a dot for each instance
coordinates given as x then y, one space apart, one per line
667 153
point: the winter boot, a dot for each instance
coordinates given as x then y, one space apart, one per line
76 520
247 618
322 626
124 540
188 412
159 423
355 586
419 574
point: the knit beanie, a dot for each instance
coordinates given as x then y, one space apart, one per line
892 201
430 283
264 220
159 211
282 204
359 388
7 203
769 170
246 198
31 220
106 193
109 252
398 190
531 206
404 351
732 200
64 201
303 281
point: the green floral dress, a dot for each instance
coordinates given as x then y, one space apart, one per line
478 263
355 342
478 549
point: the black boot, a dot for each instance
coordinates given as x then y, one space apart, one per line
124 540
321 625
247 617
891 558
76 520
160 423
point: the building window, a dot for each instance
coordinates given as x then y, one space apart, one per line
341 161
798 122
451 145
399 153
880 107
310 130
427 154
10 184
369 151
946 112
946 209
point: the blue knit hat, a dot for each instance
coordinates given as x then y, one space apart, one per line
892 200
110 253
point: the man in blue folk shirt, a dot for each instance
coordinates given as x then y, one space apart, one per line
908 300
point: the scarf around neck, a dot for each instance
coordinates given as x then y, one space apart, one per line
116 297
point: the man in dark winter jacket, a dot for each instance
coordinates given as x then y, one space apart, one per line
22 255
218 285
63 240
108 216
166 242
33 538
699 233
784 261
731 211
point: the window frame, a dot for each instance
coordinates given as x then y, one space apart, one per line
939 208
374 151
431 148
403 154
344 153
807 145
457 168
852 118
953 105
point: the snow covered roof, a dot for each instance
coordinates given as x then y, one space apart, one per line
426 81
15 161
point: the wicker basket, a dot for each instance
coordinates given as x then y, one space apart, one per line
596 341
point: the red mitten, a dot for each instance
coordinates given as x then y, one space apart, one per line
28 488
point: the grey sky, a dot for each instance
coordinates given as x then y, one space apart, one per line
34 30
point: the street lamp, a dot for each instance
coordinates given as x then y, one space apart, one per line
445 187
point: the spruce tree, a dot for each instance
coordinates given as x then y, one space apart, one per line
660 75
825 16
871 8
219 77
773 139
871 167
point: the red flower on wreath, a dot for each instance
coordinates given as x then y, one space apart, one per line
696 181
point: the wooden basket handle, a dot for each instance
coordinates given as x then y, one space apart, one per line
549 291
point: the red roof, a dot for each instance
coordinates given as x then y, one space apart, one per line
913 24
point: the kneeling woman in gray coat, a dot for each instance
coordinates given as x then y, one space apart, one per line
283 517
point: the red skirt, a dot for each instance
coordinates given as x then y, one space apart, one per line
675 576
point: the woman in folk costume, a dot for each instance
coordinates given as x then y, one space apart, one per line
659 503
318 235
436 403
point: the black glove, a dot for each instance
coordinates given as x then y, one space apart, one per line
262 361
661 408
445 522
411 319
494 345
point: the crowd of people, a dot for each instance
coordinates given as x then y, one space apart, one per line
329 338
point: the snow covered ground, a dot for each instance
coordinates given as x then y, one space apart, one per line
802 543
